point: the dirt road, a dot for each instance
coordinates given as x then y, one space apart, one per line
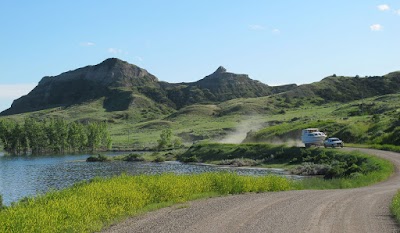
352 210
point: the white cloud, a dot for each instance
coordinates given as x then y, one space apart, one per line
276 31
87 44
114 51
10 92
138 58
256 27
397 12
376 27
383 7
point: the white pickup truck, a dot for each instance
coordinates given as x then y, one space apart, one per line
333 142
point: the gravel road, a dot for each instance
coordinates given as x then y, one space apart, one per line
353 210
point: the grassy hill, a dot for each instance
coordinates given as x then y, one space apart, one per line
222 107
265 119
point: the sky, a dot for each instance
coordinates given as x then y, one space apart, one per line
275 42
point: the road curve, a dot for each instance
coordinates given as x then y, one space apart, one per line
349 210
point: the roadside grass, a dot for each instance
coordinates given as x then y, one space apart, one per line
395 206
91 206
386 147
356 180
94 205
343 169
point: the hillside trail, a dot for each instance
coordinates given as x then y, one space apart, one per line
363 209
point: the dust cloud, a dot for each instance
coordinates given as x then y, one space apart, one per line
240 132
255 123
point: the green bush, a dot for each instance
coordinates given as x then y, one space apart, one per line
133 158
1 202
98 158
334 163
393 137
308 168
159 159
239 162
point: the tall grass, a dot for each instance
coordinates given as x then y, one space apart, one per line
395 206
88 207
386 169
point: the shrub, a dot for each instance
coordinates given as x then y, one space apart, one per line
1 202
307 168
98 158
133 158
159 159
340 163
239 162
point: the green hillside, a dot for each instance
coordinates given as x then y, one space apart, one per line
222 107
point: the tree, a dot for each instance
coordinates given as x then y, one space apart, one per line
61 129
93 136
165 139
53 136
5 134
36 135
77 138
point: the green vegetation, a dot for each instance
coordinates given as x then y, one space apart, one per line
354 180
98 158
395 206
52 136
167 142
331 163
159 156
91 206
1 202
88 207
133 158
370 121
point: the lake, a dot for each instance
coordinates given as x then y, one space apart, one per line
33 175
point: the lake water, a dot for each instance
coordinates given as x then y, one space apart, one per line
29 176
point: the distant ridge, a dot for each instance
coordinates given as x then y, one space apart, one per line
120 86
345 89
118 81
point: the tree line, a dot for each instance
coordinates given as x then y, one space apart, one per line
53 136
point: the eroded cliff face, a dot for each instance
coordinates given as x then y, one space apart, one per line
83 84
117 82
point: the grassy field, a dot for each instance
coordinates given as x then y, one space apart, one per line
88 207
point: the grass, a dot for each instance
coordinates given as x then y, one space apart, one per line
354 181
92 206
140 127
89 207
386 147
395 206
341 169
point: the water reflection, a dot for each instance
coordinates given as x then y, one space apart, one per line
28 176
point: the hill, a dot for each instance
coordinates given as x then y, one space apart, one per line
345 89
117 82
107 79
223 106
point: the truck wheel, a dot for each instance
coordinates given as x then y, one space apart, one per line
307 145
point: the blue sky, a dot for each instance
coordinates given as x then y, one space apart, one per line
275 42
